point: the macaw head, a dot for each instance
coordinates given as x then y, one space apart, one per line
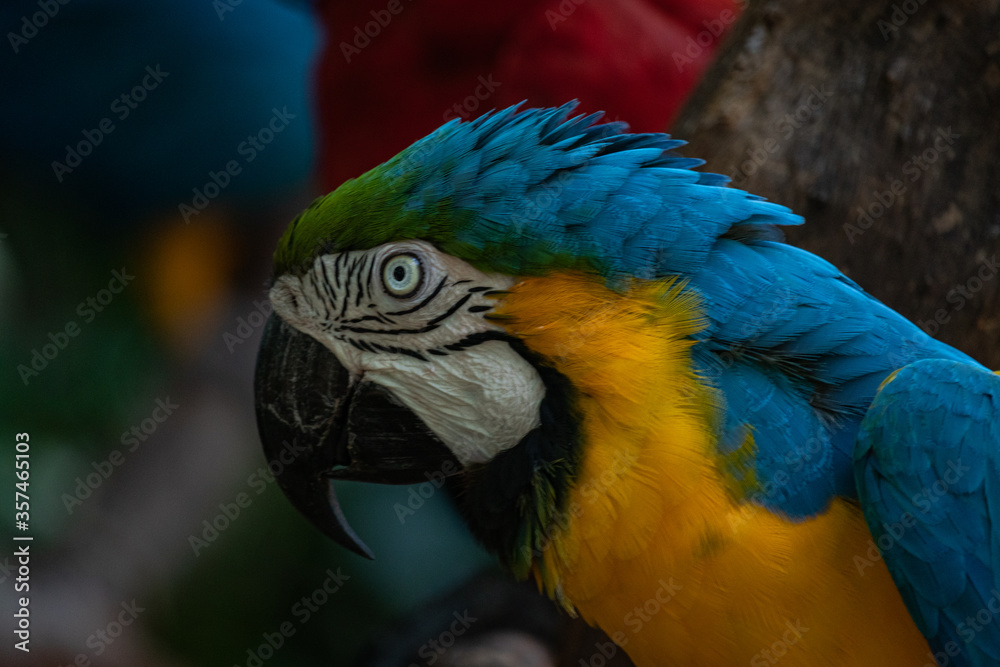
390 356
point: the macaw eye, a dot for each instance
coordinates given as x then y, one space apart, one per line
402 275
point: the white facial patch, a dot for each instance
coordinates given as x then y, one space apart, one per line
410 318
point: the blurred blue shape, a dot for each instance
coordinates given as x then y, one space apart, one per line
159 95
422 547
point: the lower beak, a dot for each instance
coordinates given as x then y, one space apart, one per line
318 424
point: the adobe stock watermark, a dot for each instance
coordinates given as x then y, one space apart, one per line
786 126
229 511
122 107
635 620
770 488
779 649
131 440
30 25
6 569
432 650
913 168
710 36
924 500
960 295
247 325
302 611
563 11
901 13
421 493
604 651
777 298
248 149
967 630
102 638
223 7
60 340
364 34
591 491
543 199
487 86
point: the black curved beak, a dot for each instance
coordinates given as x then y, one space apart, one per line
318 424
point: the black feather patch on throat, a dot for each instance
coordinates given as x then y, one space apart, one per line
516 503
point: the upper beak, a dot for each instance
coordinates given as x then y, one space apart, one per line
317 423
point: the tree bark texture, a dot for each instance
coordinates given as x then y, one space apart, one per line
879 122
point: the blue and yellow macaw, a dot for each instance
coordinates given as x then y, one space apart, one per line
709 443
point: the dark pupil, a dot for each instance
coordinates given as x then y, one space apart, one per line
398 274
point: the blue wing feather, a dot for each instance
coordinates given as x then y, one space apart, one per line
926 464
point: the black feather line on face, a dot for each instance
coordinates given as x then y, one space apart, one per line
427 300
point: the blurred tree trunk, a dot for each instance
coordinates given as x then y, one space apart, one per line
879 122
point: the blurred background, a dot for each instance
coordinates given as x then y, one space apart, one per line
152 153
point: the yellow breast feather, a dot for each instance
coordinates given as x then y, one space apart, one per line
653 545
